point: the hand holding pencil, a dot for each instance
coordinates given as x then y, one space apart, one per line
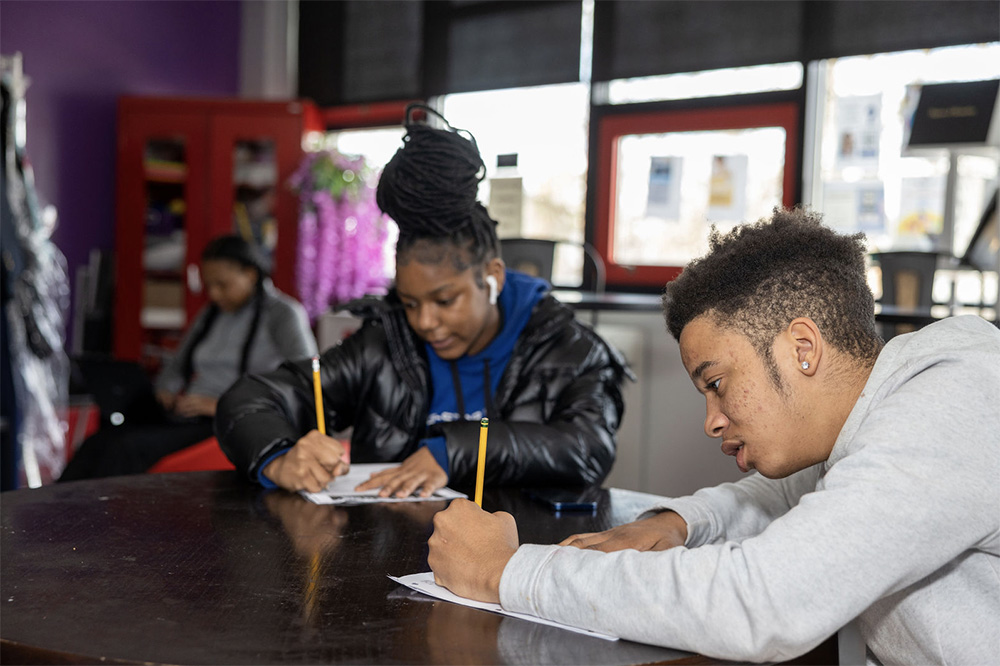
315 459
470 548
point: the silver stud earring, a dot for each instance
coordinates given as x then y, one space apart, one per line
805 365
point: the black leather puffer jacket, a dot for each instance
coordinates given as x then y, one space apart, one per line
558 403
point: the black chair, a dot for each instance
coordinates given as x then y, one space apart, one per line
532 256
907 286
538 257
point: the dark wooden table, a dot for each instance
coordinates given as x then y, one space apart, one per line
201 568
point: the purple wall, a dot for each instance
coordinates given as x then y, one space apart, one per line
80 57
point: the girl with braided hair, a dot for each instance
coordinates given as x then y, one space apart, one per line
247 326
458 338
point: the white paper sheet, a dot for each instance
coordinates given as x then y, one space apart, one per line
342 489
424 583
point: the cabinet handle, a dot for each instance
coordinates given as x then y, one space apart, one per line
193 279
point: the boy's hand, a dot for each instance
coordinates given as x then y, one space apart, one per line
470 548
309 465
660 532
418 472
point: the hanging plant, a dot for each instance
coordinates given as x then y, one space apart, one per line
342 232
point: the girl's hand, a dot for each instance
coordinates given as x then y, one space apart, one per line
310 464
418 472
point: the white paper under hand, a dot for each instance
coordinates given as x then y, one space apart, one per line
424 582
342 489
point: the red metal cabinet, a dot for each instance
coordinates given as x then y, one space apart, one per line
190 170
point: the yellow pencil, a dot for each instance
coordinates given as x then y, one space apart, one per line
318 391
312 583
484 426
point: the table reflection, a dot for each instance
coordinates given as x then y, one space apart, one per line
206 568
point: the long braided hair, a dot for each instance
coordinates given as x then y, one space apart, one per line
239 251
429 188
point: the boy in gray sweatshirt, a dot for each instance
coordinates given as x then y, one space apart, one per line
877 492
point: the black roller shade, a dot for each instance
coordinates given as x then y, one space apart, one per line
649 37
356 51
838 29
505 44
353 51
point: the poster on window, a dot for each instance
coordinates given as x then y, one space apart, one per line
852 207
859 126
664 198
840 211
871 207
727 188
921 207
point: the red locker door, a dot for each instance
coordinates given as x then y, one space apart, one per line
253 154
161 214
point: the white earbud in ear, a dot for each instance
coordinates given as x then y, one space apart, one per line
491 282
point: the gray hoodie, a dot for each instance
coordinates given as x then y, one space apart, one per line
283 335
900 528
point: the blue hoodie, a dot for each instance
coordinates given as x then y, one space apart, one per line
517 301
448 401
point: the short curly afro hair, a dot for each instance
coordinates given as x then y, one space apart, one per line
759 277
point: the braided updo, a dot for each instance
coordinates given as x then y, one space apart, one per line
429 188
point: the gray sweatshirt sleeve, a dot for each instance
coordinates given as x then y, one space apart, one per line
735 511
904 521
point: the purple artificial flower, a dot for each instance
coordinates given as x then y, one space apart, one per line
342 233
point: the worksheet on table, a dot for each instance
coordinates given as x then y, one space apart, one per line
342 489
424 582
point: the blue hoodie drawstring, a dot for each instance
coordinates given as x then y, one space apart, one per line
457 383
487 390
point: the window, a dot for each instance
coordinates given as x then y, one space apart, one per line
711 83
545 127
666 177
866 182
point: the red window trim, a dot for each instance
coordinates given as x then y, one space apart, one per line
376 114
612 128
